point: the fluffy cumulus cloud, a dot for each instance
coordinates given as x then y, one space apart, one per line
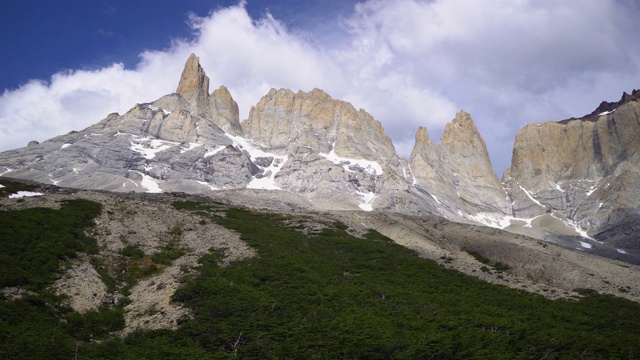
407 62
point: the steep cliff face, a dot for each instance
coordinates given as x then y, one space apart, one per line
337 156
457 170
568 169
315 121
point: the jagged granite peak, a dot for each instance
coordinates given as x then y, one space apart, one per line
461 136
458 169
194 83
192 95
337 156
284 120
225 110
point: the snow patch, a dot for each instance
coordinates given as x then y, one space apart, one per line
436 199
530 196
498 221
367 200
64 146
265 182
149 147
572 224
214 151
371 167
559 188
1 186
585 245
606 112
188 147
414 181
21 194
207 184
150 184
621 251
155 108
8 170
268 182
592 189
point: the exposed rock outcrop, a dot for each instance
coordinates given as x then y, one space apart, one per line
568 169
457 170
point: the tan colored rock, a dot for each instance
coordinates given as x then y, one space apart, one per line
224 111
458 171
286 121
194 83
569 168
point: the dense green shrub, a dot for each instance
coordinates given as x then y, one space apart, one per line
332 295
33 241
33 245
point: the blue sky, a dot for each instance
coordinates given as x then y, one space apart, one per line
67 64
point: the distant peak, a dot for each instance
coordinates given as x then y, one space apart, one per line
607 107
194 82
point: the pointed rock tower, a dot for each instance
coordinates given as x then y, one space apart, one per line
458 169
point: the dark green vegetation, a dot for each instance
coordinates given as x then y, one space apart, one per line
33 241
334 296
12 187
34 244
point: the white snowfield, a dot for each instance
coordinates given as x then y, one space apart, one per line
266 182
188 147
21 194
149 147
367 200
1 186
497 221
149 183
371 167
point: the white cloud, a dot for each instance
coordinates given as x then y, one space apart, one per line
407 62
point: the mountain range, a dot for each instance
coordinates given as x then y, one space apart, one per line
574 182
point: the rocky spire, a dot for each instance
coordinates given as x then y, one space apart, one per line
458 167
462 136
422 135
224 110
194 83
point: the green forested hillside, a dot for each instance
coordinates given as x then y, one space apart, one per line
327 295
